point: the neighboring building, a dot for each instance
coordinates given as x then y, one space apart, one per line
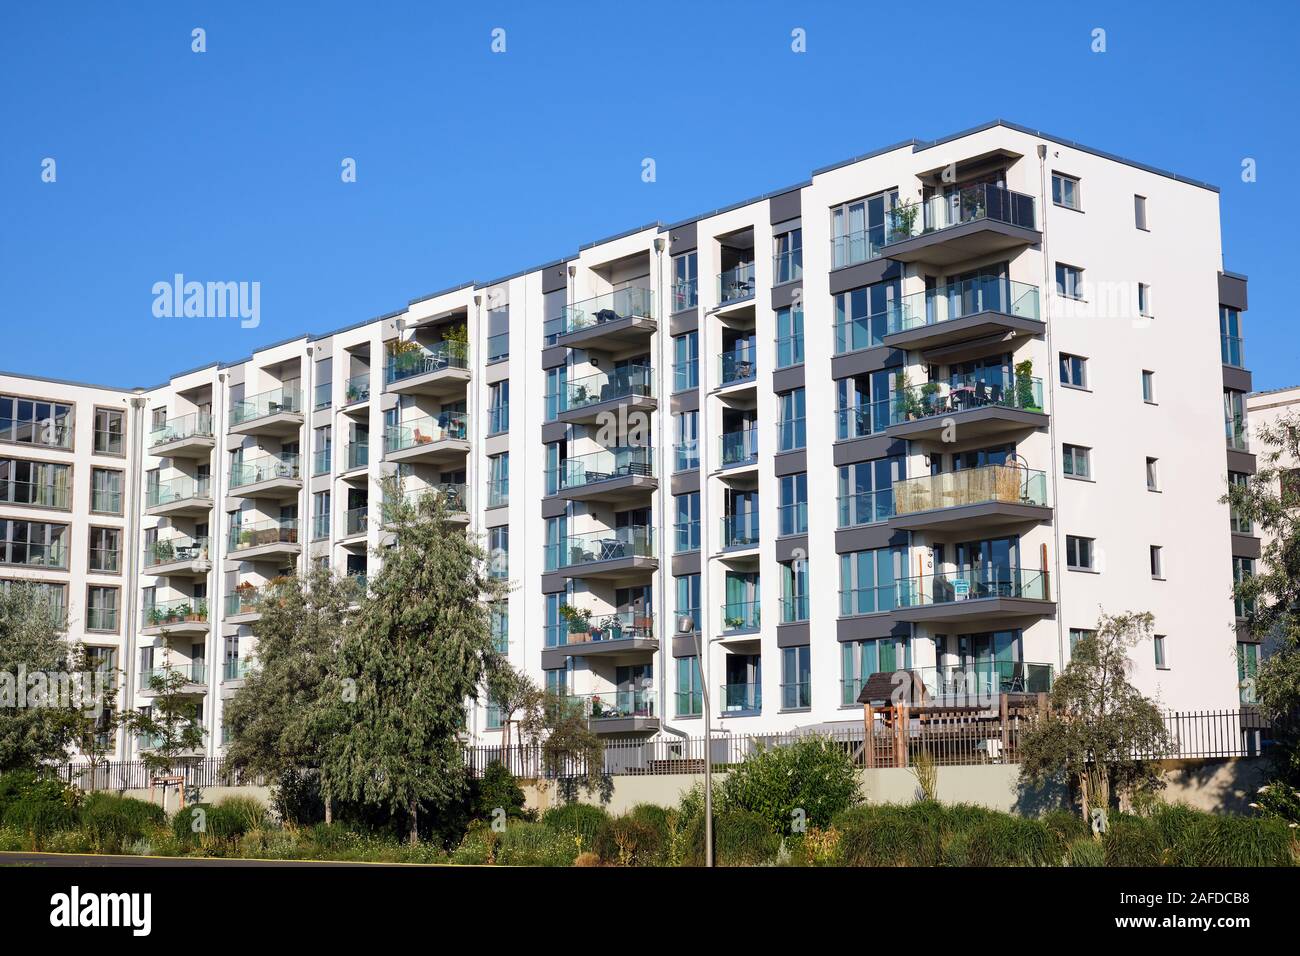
931 408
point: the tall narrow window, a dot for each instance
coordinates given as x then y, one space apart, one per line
686 361
794 504
796 678
1153 475
789 336
791 430
1140 212
110 432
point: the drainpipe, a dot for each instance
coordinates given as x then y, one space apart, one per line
132 561
1050 379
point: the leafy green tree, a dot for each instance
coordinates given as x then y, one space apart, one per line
298 634
572 753
518 698
391 719
1101 734
804 783
171 727
32 643
100 716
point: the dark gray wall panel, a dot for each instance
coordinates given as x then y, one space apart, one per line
791 462
1237 378
793 635
866 360
555 278
554 431
871 626
785 206
682 238
683 322
554 357
687 481
1232 292
553 507
866 449
785 294
868 537
688 563
853 277
785 379
786 547
688 401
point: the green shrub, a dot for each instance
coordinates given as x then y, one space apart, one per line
744 838
1085 851
235 816
114 822
190 823
1003 840
811 779
1280 800
1212 840
631 840
38 806
479 845
891 835
582 822
1132 841
1066 826
498 789
532 844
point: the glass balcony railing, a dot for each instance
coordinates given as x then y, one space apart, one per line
194 673
275 402
616 704
1232 348
787 266
738 448
498 492
583 470
42 495
689 703
958 299
637 541
615 626
182 488
357 455
448 426
262 533
741 616
198 425
107 560
356 389
686 456
740 531
971 486
794 609
685 294
498 346
181 611
609 307
791 434
241 601
320 527
865 507
867 600
253 471
960 394
735 699
412 359
853 333
633 381
789 351
686 536
996 581
686 375
235 669
796 695
101 619
1237 434
452 494
859 421
957 207
736 283
862 245
324 395
355 521
320 460
792 518
737 365
986 677
174 549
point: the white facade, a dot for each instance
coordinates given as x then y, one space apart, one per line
966 575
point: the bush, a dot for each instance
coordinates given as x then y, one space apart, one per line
37 806
532 844
740 838
813 776
1003 840
631 841
479 846
582 822
890 835
1066 826
498 789
113 823
1132 841
190 823
1085 851
297 798
1234 841
235 816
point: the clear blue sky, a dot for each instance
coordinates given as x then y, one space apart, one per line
225 165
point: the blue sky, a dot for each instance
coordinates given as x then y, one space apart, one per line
472 165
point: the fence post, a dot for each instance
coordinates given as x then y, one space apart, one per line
869 726
1006 729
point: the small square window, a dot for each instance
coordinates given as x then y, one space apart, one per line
1153 476
1162 662
1065 190
1140 212
1069 281
1077 461
1074 370
1157 562
1148 387
1078 553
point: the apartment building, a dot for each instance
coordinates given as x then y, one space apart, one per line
931 408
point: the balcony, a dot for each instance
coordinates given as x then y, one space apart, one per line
616 474
415 370
356 458
235 670
737 367
610 322
265 540
963 311
183 616
179 496
437 441
620 634
741 617
984 408
983 679
277 412
195 675
190 436
619 711
988 498
738 449
241 605
865 507
276 477
452 494
178 557
619 553
685 295
739 532
356 522
853 248
736 284
584 400
356 392
974 596
975 221
740 700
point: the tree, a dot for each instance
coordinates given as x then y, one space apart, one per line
1270 597
36 726
572 753
172 726
298 634
420 646
514 692
1100 734
96 730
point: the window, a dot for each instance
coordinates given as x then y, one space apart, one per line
498 480
791 427
1247 668
1078 553
860 659
1153 477
1074 370
1148 387
1077 634
687 526
323 444
794 591
867 580
686 440
1144 300
862 315
866 490
686 361
690 687
1076 461
105 550
1140 212
1242 568
794 504
858 229
30 421
320 526
688 603
105 491
43 484
685 282
1159 644
498 410
1234 419
1238 524
110 431
492 715
796 678
101 609
787 260
1069 281
789 336
1065 190
556 453
1157 562
1230 343
499 621
557 390
54 596
499 552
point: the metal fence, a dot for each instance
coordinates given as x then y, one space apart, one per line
133 775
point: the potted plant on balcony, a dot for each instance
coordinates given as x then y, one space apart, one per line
155 615
163 551
902 220
1025 386
200 611
929 398
457 339
578 620
180 612
907 405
